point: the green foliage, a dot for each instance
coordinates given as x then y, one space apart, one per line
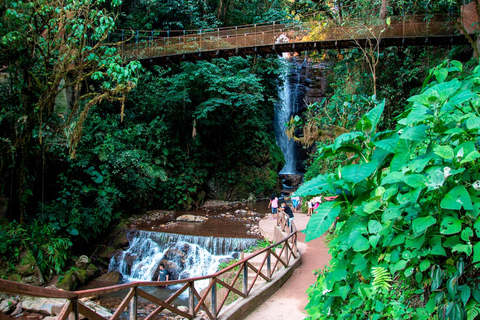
408 200
50 250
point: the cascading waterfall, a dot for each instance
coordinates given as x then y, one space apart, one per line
291 96
184 256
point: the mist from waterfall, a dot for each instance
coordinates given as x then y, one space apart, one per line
291 95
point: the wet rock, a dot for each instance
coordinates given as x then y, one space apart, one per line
43 306
182 308
240 211
91 271
112 277
191 218
7 305
121 241
107 252
104 312
67 282
34 316
82 262
18 309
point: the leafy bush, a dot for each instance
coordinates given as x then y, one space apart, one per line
49 249
410 200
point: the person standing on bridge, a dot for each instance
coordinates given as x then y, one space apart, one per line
274 205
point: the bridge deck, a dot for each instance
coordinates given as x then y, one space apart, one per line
164 47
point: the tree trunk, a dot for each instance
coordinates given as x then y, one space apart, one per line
383 10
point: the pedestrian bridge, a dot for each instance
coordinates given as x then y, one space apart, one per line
312 32
248 283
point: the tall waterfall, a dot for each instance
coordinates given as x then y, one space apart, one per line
184 256
291 96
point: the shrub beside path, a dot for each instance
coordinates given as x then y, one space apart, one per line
289 301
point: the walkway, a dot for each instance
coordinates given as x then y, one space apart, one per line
319 31
289 302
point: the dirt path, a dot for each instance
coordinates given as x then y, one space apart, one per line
289 302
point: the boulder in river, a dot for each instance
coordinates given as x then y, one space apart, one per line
191 218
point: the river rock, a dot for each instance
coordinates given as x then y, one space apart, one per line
191 218
112 277
104 312
82 262
7 305
42 305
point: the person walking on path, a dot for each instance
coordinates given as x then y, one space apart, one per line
274 205
288 214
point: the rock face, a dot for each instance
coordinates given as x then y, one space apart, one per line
79 275
112 277
82 262
191 218
43 306
26 271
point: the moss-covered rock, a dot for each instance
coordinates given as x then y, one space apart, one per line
106 253
81 276
91 271
27 264
121 240
68 281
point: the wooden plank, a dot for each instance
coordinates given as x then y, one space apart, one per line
202 300
209 314
104 290
89 313
67 308
124 304
162 305
231 288
14 288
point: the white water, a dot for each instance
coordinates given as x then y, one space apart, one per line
290 98
184 256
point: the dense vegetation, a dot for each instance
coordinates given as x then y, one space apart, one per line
405 167
87 140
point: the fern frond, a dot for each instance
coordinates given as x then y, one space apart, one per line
381 278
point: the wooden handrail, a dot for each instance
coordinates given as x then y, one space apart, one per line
77 307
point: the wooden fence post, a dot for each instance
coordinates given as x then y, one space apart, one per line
245 278
214 298
133 305
191 299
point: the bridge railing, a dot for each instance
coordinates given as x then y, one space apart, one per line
234 279
145 44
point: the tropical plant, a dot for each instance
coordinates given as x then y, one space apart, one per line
410 204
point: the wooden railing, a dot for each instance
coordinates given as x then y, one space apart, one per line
143 44
276 257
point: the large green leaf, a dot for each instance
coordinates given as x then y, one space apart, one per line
359 172
446 152
457 198
473 123
421 224
416 133
418 113
375 114
346 137
476 252
388 144
323 218
450 225
416 181
316 186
